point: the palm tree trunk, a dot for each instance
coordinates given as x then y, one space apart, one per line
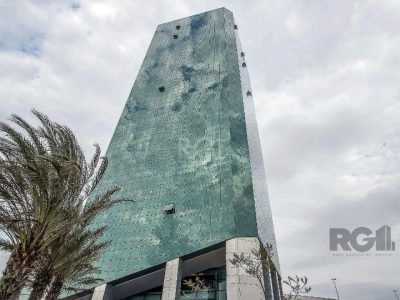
42 280
14 277
55 290
37 293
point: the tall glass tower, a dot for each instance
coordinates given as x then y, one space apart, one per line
187 150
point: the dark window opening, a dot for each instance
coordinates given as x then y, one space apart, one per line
178 27
235 26
248 93
244 65
169 208
161 89
175 36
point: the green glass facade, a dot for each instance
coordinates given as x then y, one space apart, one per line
181 140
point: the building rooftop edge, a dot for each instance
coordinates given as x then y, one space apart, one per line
220 8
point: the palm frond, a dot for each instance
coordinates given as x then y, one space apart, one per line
45 181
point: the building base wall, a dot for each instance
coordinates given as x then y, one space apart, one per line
239 284
103 292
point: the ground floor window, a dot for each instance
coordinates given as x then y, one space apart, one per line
154 294
205 285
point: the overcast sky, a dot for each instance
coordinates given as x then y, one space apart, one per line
325 78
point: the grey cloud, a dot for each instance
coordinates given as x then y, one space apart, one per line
311 245
297 142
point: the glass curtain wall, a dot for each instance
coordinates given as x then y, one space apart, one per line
209 284
205 285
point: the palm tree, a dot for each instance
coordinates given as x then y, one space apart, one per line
45 181
69 264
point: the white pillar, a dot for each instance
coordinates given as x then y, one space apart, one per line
103 292
172 280
268 284
280 287
239 284
275 285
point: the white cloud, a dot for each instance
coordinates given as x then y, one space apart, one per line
103 11
295 24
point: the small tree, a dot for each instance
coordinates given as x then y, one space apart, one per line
260 261
256 263
197 284
298 285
